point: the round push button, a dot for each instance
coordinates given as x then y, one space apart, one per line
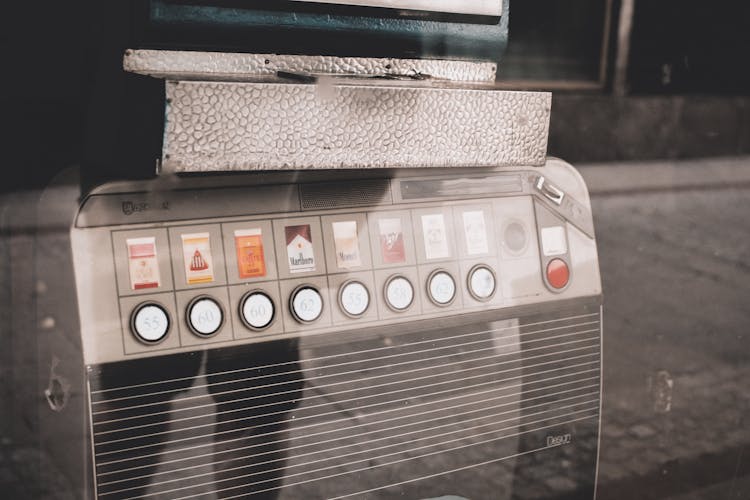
150 323
307 304
558 273
482 282
399 293
441 288
257 310
354 298
205 316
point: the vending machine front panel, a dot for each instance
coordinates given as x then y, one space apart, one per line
411 334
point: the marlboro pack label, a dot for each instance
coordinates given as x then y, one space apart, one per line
476 233
142 263
347 244
299 248
435 237
391 241
250 260
196 249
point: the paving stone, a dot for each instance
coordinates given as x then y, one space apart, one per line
560 484
642 431
613 430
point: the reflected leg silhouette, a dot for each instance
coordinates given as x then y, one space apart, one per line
139 447
252 415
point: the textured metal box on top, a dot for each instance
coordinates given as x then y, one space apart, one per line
214 126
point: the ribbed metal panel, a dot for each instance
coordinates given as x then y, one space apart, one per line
372 416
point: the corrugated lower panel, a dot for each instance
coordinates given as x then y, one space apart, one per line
219 126
371 417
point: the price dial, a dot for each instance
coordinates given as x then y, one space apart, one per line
205 316
441 287
257 310
150 323
482 283
399 293
354 298
307 304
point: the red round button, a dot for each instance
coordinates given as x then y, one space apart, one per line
558 273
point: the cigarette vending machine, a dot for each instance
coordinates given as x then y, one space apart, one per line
353 278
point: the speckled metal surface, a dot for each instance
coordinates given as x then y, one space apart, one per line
186 65
214 126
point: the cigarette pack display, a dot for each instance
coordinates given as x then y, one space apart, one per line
391 241
435 238
142 263
299 248
251 262
347 244
196 249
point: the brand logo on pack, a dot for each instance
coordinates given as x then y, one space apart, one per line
347 244
299 248
196 251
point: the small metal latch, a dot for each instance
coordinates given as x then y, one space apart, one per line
551 192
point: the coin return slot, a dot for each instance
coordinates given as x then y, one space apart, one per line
204 316
257 310
306 304
515 237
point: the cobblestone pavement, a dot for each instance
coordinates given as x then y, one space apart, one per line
677 318
676 352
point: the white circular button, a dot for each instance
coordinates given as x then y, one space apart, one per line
150 323
354 298
307 304
205 316
257 310
442 288
399 293
482 283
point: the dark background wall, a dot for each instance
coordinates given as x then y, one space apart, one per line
686 92
687 86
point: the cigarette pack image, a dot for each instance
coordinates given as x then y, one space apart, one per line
251 262
196 249
143 263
